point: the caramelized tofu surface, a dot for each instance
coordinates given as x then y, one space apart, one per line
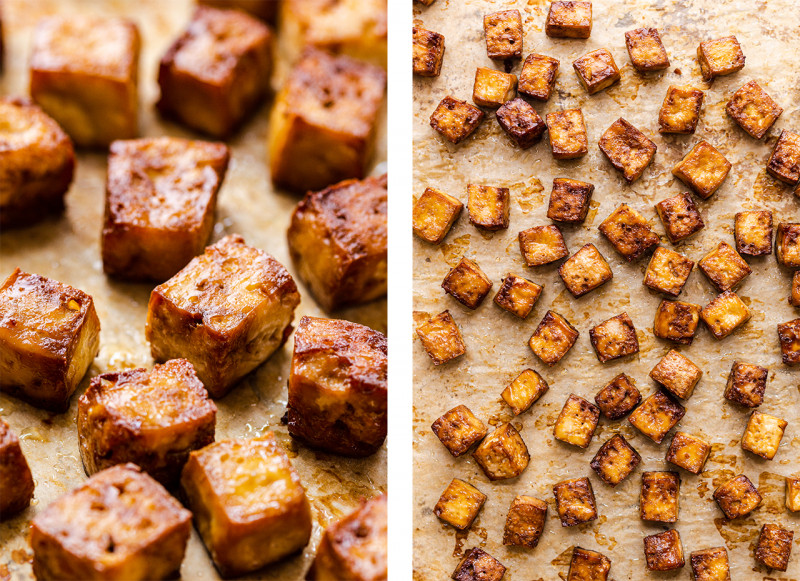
794 298
722 56
493 88
568 139
467 283
663 551
774 547
724 314
478 565
737 497
688 452
538 76
657 415
427 52
703 169
789 337
524 391
629 233
588 565
677 374
680 217
787 244
676 321
488 206
667 271
456 120
525 522
459 429
710 564
569 19
585 271
553 338
680 110
784 163
724 267
596 70
541 245
502 454
618 398
646 50
16 480
793 494
503 31
521 122
569 201
659 496
753 109
459 504
575 501
763 435
517 295
577 422
434 214
753 232
614 338
628 149
746 384
441 338
615 460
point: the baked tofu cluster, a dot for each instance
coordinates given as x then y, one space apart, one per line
710 564
618 397
503 32
502 454
478 565
569 19
724 314
774 547
724 267
789 337
614 338
585 271
567 130
553 338
676 321
427 52
525 522
763 434
719 57
615 460
680 217
455 120
753 232
689 452
656 416
575 502
629 232
703 169
587 565
746 385
517 295
784 163
541 245
787 244
441 338
538 76
680 110
493 88
667 271
753 109
488 206
663 551
459 504
459 429
521 122
629 150
577 422
646 50
467 283
569 201
524 391
434 214
16 480
677 374
737 497
659 497
596 70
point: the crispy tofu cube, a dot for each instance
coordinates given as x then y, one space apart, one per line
458 429
585 271
441 338
663 551
538 76
524 391
774 547
569 19
688 452
677 374
746 384
503 31
577 422
703 169
569 201
615 460
521 122
266 10
596 70
459 504
119 524
542 245
517 295
502 454
588 565
428 52
784 163
737 497
478 565
493 88
553 338
628 149
763 434
719 57
37 162
249 505
49 336
793 494
753 109
753 232
794 298
525 522
614 338
646 50
724 267
618 398
84 74
488 206
434 214
680 217
676 321
710 565
789 336
150 418
724 314
575 501
16 480
456 120
667 271
657 415
467 283
226 311
568 139
680 110
629 233
787 244
659 496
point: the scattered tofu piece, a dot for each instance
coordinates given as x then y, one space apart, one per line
524 391
663 551
753 109
618 398
459 504
568 139
459 429
784 163
677 321
793 494
553 338
16 480
428 52
614 338
680 110
525 522
794 298
569 201
615 460
789 336
541 245
703 169
753 232
493 88
467 283
575 501
774 547
628 149
478 565
588 565
737 497
538 76
646 50
680 217
724 267
596 70
434 214
763 434
502 454
628 232
517 295
710 564
724 314
787 244
441 338
577 422
677 374
503 32
746 384
488 206
659 497
656 416
585 271
719 57
688 452
667 271
521 122
569 19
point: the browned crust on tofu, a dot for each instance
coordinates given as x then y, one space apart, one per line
746 384
567 129
721 56
659 497
585 271
677 374
680 217
656 416
569 19
688 452
569 201
467 283
493 88
724 314
629 233
459 429
680 110
428 52
774 547
793 494
517 295
753 109
753 232
525 522
614 338
553 338
763 434
618 398
503 32
478 565
521 122
459 504
577 422
794 297
434 214
710 564
615 460
524 391
16 480
502 454
787 244
667 271
488 206
737 497
646 50
724 267
677 321
596 70
538 76
663 551
541 245
588 565
703 169
784 163
441 338
628 149
575 501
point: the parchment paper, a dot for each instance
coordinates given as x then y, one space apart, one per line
497 341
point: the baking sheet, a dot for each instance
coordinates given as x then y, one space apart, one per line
67 249
497 341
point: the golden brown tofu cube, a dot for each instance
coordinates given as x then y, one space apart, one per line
596 70
226 311
794 298
524 391
618 398
746 384
441 338
428 52
488 206
150 418
49 336
525 522
84 74
763 435
249 505
521 122
517 295
467 283
502 454
585 271
569 19
266 10
737 497
628 149
724 314
722 56
538 76
793 494
703 169
458 429
493 88
542 245
577 422
459 504
568 139
663 551
710 565
688 452
553 338
119 524
36 164
569 201
503 31
478 565
614 338
16 480
753 232
434 214
323 122
659 496
774 547
588 565
657 415
646 50
628 232
784 163
724 267
575 501
676 321
680 217
680 110
753 109
787 244
677 374
667 271
615 460
456 120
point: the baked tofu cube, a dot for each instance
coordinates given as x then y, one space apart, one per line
596 70
337 387
618 398
150 418
724 314
569 201
774 547
629 233
521 122
628 149
677 374
657 415
680 217
585 271
488 206
553 338
659 496
542 245
503 31
226 311
688 452
753 109
667 271
680 110
676 321
746 384
720 57
458 429
249 505
455 120
441 338
502 454
16 480
517 295
724 267
588 565
49 336
663 551
614 338
119 524
84 74
646 50
434 214
569 19
525 522
524 391
615 460
467 283
266 10
323 123
737 497
568 139
753 232
478 565
789 336
794 298
428 52
36 164
710 565
703 169
577 422
538 76
575 501
493 88
763 435
784 163
787 244
793 494
459 504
